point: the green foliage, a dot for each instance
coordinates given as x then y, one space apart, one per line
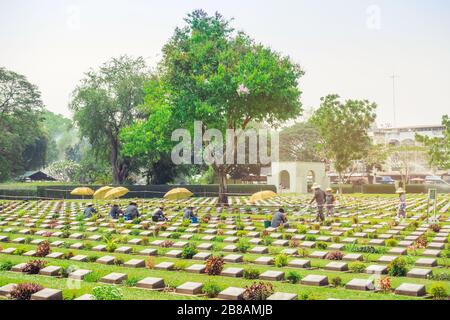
391 243
250 273
189 251
357 267
281 260
299 143
397 267
438 291
338 123
439 147
6 266
211 289
243 245
336 282
293 277
107 293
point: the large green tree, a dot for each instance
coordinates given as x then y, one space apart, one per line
438 147
299 143
106 101
211 73
343 128
22 138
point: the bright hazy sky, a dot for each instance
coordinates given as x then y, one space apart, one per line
349 47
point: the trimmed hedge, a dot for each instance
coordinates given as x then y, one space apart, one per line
346 188
378 189
17 194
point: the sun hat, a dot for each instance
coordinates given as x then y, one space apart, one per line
90 204
315 186
329 190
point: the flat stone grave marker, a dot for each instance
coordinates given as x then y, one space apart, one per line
336 266
360 284
411 289
231 239
253 234
264 260
318 254
180 244
205 246
377 242
51 271
151 283
17 240
124 250
289 252
164 266
191 288
85 297
281 243
8 250
157 242
77 245
106 260
349 240
315 280
230 248
387 259
79 258
79 274
431 253
114 278
196 268
231 293
99 248
233 258
76 236
55 255
419 273
6 289
426 262
405 243
208 238
149 252
135 241
299 263
256 241
272 275
47 294
233 272
399 251
18 267
436 245
283 296
30 253
353 257
174 254
259 250
336 246
135 263
201 256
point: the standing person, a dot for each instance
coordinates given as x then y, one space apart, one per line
131 212
89 211
401 214
319 198
279 219
115 211
158 215
330 201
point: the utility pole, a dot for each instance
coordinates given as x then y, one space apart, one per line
393 77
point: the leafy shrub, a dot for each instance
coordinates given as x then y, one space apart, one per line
214 266
303 252
167 244
6 266
43 249
243 245
111 244
175 235
267 241
189 251
180 265
293 277
357 267
293 243
250 273
92 277
310 238
438 292
23 291
107 293
92 258
150 263
422 242
322 245
336 282
397 267
391 243
34 266
281 260
19 251
385 284
258 291
440 276
435 227
131 282
118 261
334 255
211 289
68 255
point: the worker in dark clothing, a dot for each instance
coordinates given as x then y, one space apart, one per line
319 198
190 215
131 212
89 211
158 215
115 211
279 219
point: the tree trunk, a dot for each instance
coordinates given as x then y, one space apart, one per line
115 163
223 189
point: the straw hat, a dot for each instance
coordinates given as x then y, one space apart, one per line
400 190
315 186
90 204
329 190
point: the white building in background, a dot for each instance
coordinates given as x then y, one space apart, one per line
406 136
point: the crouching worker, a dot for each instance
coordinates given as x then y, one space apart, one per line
190 215
131 212
279 219
115 211
89 211
158 215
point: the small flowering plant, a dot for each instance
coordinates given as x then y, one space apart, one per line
242 90
385 284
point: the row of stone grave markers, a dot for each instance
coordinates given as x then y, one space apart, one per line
349 240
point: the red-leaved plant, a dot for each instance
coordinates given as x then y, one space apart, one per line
258 291
214 266
23 291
